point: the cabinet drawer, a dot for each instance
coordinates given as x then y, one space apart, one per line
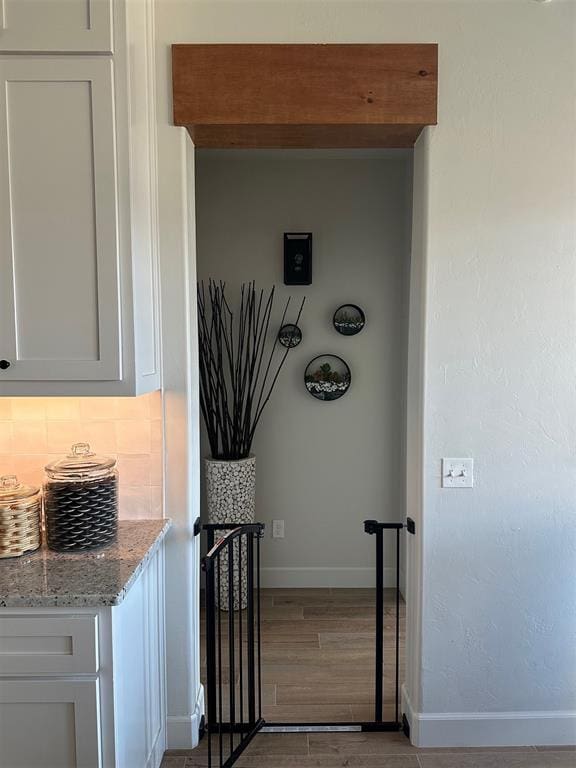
44 645
56 26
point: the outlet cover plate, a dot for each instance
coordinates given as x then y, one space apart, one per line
277 529
457 473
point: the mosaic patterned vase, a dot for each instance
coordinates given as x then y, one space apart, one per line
231 497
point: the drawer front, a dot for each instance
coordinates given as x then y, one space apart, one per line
45 645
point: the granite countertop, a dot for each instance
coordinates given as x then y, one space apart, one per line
45 579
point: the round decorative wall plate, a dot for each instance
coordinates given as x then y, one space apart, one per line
289 335
349 319
327 377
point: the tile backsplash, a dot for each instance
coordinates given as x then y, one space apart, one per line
37 430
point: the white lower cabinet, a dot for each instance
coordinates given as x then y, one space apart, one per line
49 724
85 687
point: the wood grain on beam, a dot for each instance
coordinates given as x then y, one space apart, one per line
305 95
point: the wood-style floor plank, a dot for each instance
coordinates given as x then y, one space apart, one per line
360 744
308 713
328 693
283 612
316 656
319 625
294 593
333 612
269 744
319 601
320 674
301 761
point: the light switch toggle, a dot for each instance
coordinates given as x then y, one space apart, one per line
457 473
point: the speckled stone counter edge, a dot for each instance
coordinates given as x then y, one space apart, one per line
117 599
92 599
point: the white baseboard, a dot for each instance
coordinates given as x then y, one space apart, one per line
489 729
182 731
325 577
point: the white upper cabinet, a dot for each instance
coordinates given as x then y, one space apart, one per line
59 313
79 298
56 26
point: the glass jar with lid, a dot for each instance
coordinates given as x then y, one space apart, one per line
20 512
81 501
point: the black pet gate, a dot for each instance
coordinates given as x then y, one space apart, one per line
233 642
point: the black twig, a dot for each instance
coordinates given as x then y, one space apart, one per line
237 373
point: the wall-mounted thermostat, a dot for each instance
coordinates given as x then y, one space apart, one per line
297 258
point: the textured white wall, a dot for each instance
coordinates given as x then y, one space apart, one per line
499 594
321 467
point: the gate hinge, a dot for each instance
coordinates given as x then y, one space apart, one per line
410 525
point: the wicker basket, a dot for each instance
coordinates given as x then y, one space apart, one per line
20 513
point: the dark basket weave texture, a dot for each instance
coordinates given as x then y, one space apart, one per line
81 515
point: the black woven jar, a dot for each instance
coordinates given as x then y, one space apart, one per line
81 501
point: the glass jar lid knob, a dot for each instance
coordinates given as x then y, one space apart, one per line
81 449
11 489
9 482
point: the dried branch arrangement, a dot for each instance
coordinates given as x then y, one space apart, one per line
239 364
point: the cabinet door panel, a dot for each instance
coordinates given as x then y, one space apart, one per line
56 26
49 723
59 313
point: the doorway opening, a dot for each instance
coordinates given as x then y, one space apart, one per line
323 468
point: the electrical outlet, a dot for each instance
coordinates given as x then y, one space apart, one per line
277 529
457 473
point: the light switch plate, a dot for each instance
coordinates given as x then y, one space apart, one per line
457 473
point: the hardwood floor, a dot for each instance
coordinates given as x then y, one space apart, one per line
375 750
318 666
318 650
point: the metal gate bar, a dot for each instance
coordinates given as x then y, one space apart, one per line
226 578
375 528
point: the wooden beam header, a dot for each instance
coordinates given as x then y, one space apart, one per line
373 95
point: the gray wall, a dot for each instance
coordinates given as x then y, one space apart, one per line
321 467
